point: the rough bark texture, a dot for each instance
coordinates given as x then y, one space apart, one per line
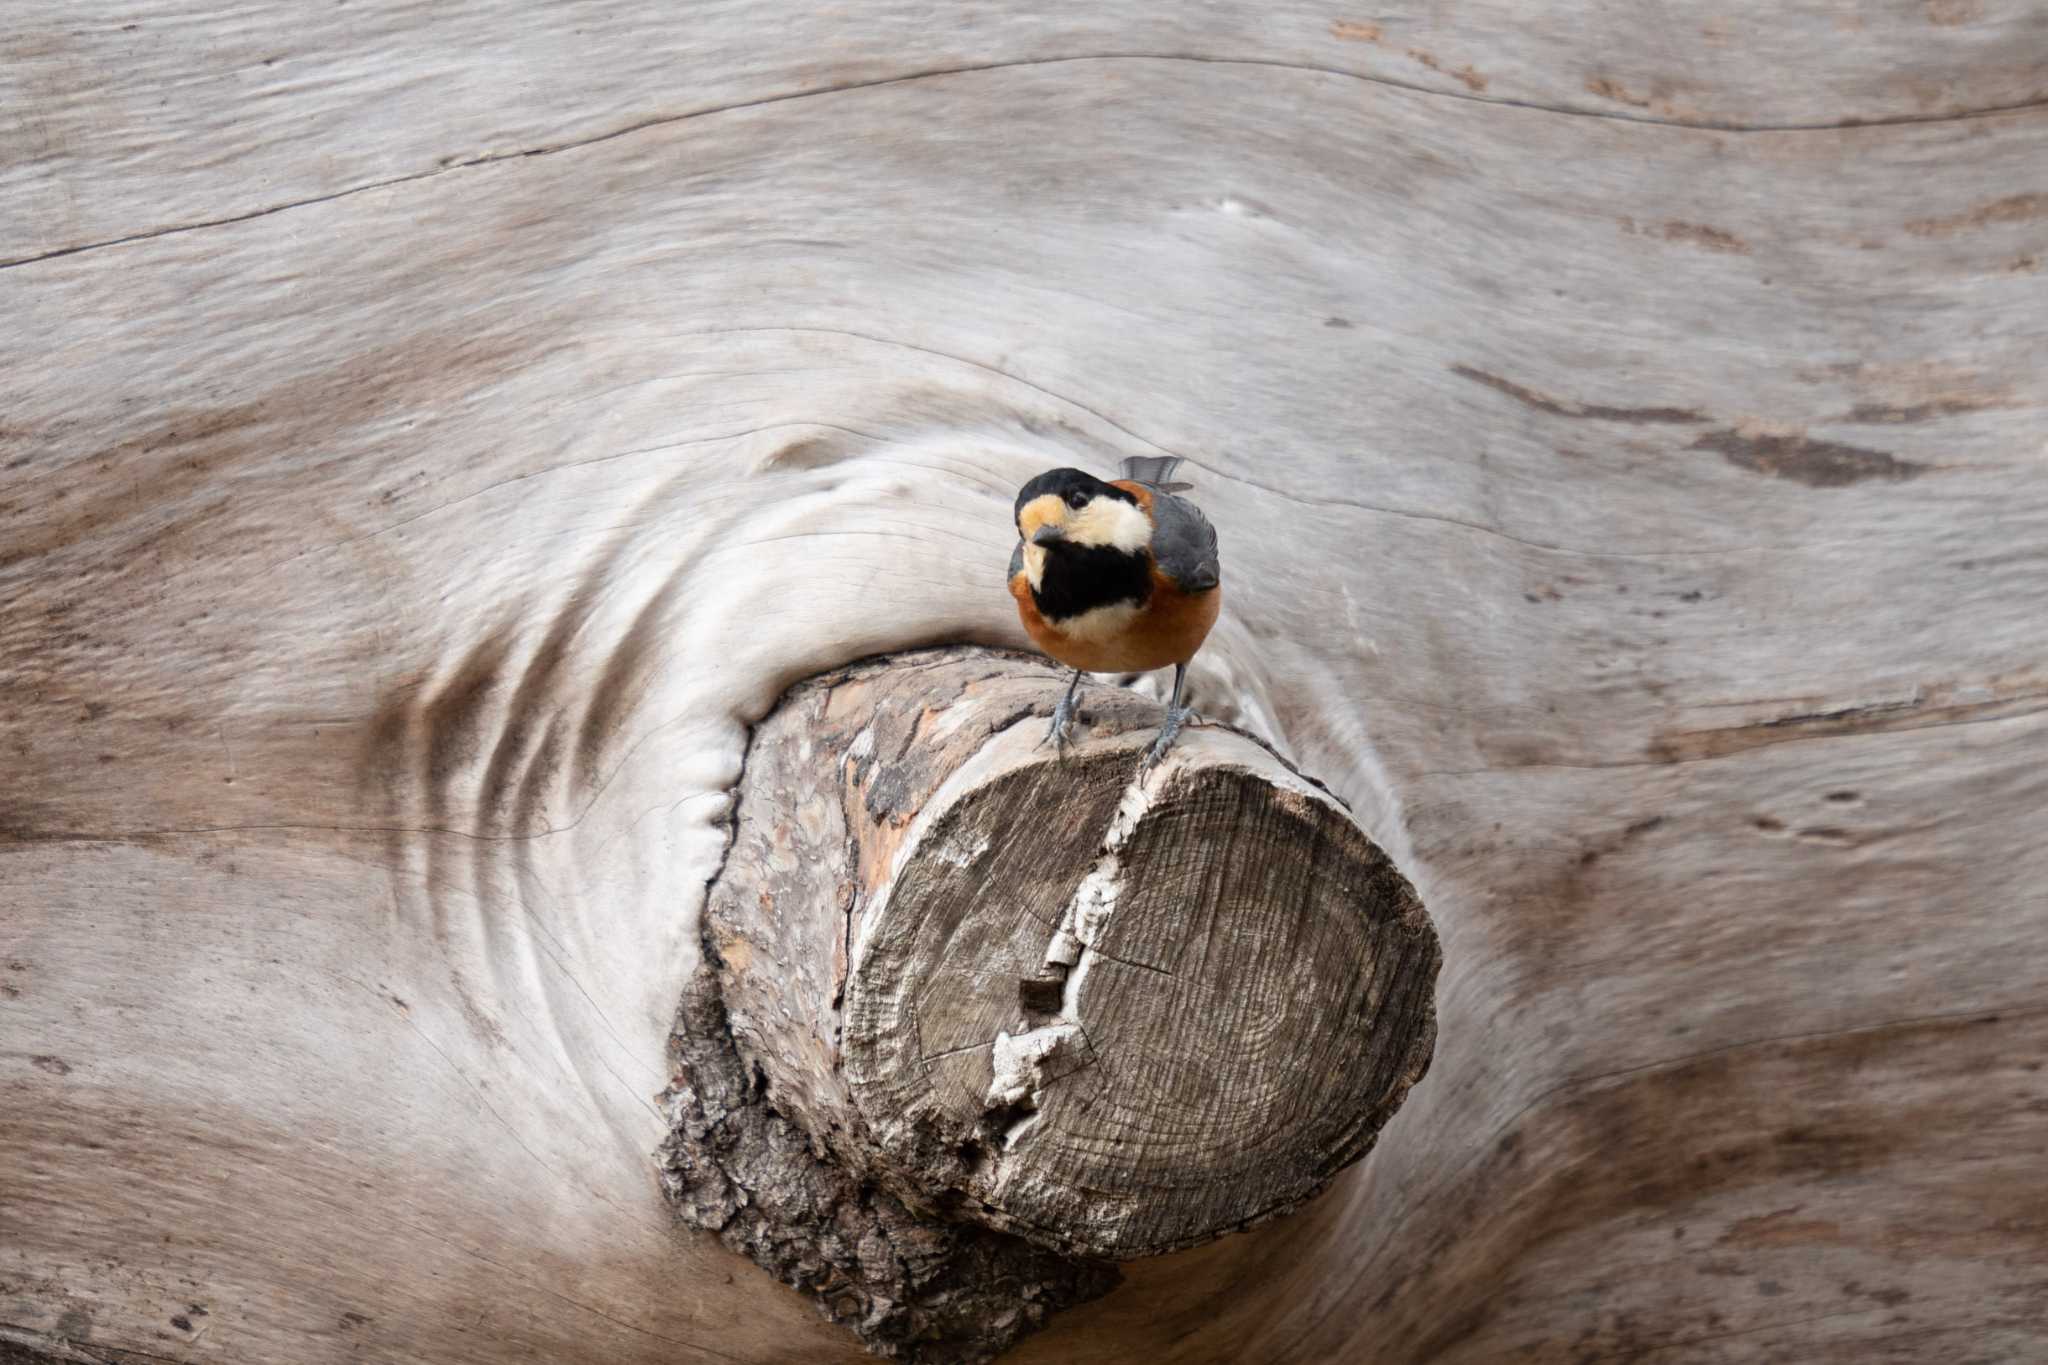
1238 995
912 1287
421 463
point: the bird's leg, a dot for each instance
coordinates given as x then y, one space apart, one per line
1175 714
1063 717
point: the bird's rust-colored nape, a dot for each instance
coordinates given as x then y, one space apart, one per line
1136 490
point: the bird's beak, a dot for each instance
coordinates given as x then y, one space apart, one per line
1046 535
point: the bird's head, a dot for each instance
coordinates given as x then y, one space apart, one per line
1068 509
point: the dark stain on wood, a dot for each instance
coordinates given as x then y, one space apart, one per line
1857 715
1703 235
486 1029
1466 75
23 821
1781 1227
1609 89
1804 460
1900 414
1933 705
1562 407
1951 13
1614 843
1890 1297
1693 234
2014 208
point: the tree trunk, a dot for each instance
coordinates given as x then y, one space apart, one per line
1109 1011
435 435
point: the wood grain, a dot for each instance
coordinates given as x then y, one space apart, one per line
1632 474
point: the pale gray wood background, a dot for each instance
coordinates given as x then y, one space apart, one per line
432 432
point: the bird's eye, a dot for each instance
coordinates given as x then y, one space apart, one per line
1077 499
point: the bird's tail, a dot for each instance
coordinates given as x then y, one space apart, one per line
1154 471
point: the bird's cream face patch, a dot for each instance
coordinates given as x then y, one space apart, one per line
1113 522
1034 565
1047 509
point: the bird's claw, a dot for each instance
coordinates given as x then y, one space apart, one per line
1062 723
1168 732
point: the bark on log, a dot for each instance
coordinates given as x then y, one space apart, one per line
1113 1012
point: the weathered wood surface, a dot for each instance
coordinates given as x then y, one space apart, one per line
1639 524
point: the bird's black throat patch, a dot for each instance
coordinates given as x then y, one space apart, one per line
1080 578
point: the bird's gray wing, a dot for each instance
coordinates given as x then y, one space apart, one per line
1016 561
1154 471
1184 543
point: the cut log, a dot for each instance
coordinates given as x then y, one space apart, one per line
1104 1011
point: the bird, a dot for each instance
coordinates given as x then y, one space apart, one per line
1115 577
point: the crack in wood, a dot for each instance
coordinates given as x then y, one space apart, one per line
850 87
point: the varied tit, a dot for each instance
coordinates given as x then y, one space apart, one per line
1115 578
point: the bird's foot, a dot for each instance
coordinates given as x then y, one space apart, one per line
1062 723
1168 732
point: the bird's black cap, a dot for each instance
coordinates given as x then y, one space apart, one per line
1063 482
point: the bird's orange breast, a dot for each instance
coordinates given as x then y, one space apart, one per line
1167 629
